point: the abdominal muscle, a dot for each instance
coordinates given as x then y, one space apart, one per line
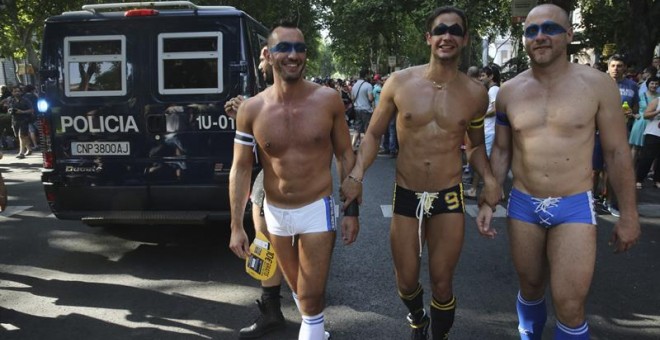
552 168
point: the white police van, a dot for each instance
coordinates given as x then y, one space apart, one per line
132 110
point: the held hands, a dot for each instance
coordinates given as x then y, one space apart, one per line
350 227
625 234
351 189
239 243
484 219
231 106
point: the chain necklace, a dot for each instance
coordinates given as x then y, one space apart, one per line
443 86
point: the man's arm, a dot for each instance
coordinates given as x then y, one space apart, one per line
352 185
500 161
617 156
477 152
345 160
240 176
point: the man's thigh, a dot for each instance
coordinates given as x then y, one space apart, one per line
572 256
405 243
527 242
314 253
445 234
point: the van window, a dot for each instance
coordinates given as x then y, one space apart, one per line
95 66
190 63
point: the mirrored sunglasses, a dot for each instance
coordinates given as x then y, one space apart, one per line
286 47
548 28
442 29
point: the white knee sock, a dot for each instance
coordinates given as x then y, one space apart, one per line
312 328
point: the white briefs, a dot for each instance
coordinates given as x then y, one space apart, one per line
315 217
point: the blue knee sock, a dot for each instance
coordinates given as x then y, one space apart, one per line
563 332
531 318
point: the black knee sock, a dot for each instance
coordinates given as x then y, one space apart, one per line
268 293
442 317
415 303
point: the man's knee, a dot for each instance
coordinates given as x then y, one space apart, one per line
570 312
311 303
442 289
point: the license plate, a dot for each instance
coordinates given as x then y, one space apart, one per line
100 148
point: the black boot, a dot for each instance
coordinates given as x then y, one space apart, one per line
271 319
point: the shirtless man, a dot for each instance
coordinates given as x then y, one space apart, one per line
437 104
546 120
296 126
270 317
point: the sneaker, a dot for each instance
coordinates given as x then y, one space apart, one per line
327 335
613 211
420 331
383 152
20 156
29 152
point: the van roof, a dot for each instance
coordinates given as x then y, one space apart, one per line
163 8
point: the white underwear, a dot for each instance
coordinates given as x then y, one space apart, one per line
315 217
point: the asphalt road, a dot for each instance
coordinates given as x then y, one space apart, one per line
64 280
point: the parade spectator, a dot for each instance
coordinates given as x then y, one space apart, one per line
363 97
651 150
636 139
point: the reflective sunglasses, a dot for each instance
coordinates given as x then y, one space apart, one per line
548 28
286 47
454 29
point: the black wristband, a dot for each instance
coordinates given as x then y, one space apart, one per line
353 209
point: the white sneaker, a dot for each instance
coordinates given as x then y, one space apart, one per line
327 335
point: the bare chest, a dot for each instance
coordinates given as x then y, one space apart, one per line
560 111
280 129
424 106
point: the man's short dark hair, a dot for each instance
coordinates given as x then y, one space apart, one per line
363 73
447 9
617 57
282 23
492 71
651 70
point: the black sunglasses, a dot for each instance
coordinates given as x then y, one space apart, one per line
548 28
286 47
454 29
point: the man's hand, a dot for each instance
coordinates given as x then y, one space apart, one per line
491 194
239 243
625 234
484 218
231 106
351 189
350 227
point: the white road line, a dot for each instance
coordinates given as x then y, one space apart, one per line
13 210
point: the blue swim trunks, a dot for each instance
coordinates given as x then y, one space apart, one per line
552 211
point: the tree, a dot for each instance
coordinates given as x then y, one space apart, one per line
21 26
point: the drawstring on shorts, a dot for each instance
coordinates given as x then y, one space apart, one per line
423 208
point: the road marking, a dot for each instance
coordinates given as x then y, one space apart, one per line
13 210
470 209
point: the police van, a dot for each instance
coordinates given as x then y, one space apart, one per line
132 110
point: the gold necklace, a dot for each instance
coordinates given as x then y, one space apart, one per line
438 86
443 86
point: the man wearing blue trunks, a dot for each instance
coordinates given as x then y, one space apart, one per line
296 127
436 105
545 134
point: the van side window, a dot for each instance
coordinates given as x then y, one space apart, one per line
95 66
190 63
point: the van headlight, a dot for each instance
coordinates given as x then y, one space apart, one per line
42 105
